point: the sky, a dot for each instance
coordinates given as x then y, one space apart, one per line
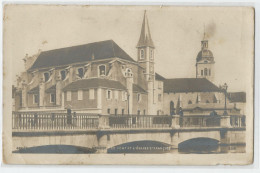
176 33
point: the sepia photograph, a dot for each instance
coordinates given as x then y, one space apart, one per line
162 85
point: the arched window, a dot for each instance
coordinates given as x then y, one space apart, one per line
102 70
80 72
63 74
190 102
142 54
172 110
46 76
205 71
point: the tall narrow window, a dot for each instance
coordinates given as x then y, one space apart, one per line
201 73
109 94
80 95
209 72
52 98
142 54
151 54
115 112
46 76
63 74
68 95
108 111
138 112
102 70
91 94
138 97
80 72
123 111
35 98
205 71
144 111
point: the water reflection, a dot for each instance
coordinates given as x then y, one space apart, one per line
56 149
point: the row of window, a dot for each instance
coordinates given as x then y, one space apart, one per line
142 54
205 72
80 73
123 111
36 98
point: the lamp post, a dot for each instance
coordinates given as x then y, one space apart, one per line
225 86
128 96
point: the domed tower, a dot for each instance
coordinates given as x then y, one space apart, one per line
205 62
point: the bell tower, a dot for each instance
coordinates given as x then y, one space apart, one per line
145 50
205 62
145 58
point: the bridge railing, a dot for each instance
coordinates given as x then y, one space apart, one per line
59 121
137 121
53 121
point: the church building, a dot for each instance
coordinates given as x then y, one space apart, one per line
101 78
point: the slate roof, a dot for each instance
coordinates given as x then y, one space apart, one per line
81 53
145 36
205 55
33 90
189 85
159 77
51 89
94 83
237 97
138 89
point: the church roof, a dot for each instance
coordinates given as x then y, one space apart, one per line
159 77
94 83
81 53
145 36
137 88
237 97
189 85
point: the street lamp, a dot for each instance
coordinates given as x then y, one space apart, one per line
225 86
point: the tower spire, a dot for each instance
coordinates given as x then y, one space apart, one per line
204 34
145 39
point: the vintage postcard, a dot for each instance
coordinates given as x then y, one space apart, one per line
139 85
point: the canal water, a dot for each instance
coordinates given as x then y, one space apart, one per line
199 146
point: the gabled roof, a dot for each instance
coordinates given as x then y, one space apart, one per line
145 36
138 89
237 97
159 77
94 83
81 53
189 85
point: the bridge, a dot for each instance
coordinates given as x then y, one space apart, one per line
106 132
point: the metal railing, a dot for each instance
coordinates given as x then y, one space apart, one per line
53 121
200 121
137 121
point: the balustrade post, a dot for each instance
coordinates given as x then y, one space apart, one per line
175 121
225 121
103 122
